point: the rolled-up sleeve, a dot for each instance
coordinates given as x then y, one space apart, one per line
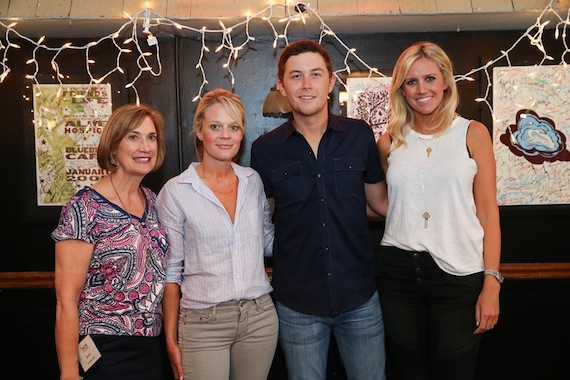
172 218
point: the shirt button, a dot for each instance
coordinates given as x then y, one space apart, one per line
318 176
322 199
326 248
324 224
329 274
350 166
285 173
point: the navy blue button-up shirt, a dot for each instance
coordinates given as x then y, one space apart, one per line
323 259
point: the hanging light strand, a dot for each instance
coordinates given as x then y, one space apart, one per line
534 34
145 45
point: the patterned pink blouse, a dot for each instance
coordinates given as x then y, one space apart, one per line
125 282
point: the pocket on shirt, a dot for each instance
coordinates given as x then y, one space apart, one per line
288 183
254 222
348 176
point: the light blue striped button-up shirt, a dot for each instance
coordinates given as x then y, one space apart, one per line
212 259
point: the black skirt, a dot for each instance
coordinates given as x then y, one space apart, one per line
128 358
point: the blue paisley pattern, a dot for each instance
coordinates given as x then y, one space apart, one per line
125 281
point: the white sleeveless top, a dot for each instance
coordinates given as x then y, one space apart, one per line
441 184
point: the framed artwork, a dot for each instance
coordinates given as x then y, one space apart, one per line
531 125
368 100
68 121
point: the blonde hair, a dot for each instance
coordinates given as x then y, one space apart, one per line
233 106
401 114
122 121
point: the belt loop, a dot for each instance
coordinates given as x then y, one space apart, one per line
258 304
214 311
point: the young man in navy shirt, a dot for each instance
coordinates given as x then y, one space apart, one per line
320 171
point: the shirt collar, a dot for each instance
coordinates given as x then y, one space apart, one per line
332 123
191 176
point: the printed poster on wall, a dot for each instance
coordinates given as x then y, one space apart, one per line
368 100
530 134
68 121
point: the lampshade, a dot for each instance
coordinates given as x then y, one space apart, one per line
276 105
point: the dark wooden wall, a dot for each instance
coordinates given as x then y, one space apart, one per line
531 340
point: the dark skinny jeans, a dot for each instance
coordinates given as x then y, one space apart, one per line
429 317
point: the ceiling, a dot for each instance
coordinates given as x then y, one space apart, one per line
338 24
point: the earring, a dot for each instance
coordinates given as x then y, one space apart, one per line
112 161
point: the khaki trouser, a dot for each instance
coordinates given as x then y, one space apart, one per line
234 340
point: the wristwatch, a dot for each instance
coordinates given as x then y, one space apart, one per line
498 276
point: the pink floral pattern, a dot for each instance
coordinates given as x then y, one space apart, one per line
125 281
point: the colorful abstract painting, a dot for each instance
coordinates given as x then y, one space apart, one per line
531 126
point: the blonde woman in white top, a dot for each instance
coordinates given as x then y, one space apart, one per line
439 277
219 319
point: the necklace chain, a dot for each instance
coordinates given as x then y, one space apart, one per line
425 215
147 249
118 196
429 150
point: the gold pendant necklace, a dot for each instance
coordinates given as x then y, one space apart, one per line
425 215
429 150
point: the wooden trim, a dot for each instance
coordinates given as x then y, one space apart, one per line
515 271
26 279
536 271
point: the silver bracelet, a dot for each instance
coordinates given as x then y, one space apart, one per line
498 276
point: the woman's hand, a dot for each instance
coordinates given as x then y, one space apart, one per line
487 307
175 358
72 259
170 309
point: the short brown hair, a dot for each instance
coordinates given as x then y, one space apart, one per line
122 121
299 47
233 106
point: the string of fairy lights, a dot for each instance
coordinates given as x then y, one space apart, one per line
136 36
534 34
